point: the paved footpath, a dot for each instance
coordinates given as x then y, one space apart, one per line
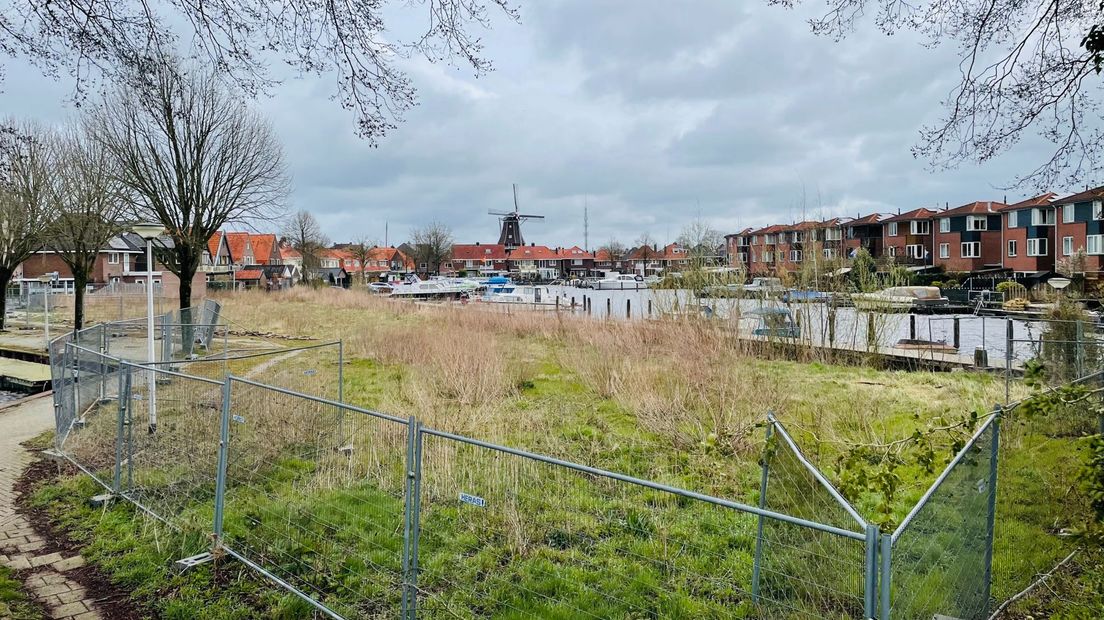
44 573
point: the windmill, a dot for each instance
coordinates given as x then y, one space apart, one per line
511 225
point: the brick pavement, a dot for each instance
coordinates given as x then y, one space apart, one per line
21 548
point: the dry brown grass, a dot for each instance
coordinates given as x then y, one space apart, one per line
684 382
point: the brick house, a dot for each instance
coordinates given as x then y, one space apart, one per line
1079 225
1029 235
575 262
476 259
909 237
764 250
863 232
738 247
121 262
968 238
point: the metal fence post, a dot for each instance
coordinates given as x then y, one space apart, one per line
755 567
994 454
103 362
124 390
224 446
1080 351
885 583
341 371
870 592
1008 344
412 521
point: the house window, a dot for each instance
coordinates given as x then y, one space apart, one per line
1067 246
944 224
1042 217
1067 214
795 256
892 230
1094 244
1037 247
891 250
768 239
1011 247
1013 219
1098 209
833 234
944 250
830 253
920 227
977 222
796 236
768 257
755 240
742 257
113 258
850 232
971 249
914 251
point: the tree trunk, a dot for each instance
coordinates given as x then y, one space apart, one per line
5 278
80 281
186 276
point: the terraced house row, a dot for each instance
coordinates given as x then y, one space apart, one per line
1027 238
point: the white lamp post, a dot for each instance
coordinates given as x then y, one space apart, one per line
150 231
47 279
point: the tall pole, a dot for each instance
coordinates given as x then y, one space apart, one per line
46 309
151 380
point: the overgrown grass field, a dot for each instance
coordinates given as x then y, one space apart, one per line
317 494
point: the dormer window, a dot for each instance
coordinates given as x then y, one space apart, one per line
977 222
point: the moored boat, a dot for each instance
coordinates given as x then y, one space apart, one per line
901 299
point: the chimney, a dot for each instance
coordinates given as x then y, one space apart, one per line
476 243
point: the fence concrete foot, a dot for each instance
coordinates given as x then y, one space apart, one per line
184 565
101 501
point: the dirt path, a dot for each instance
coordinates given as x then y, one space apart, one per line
21 548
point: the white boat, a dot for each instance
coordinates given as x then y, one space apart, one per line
764 286
531 295
416 288
380 287
901 299
621 282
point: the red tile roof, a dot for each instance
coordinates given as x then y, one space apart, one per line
1097 193
237 242
213 243
263 245
1042 200
916 214
873 218
987 206
573 253
248 274
287 252
534 252
478 251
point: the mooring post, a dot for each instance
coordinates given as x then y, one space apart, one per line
572 303
832 325
609 307
957 338
628 308
912 327
870 336
649 308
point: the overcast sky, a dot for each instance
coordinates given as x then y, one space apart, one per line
651 113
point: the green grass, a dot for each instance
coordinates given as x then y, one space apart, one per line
14 604
549 542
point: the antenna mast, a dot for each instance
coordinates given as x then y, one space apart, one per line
586 225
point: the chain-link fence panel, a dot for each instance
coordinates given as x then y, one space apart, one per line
314 494
803 572
171 441
942 551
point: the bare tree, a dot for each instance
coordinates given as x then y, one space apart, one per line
701 242
1024 66
193 158
432 245
362 251
24 187
305 235
614 249
646 249
352 41
86 199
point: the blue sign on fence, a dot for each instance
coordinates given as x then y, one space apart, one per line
473 500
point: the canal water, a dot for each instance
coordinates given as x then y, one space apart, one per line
851 325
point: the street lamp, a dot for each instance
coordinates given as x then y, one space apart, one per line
150 231
47 279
